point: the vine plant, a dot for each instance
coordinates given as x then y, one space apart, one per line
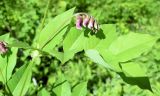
101 43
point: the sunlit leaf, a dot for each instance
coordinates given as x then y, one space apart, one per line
20 81
7 61
11 62
95 57
80 89
62 56
4 37
19 44
74 40
62 87
110 59
102 39
53 32
73 43
43 92
130 46
133 69
78 40
7 64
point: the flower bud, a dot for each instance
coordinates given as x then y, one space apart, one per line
86 21
91 23
3 48
79 21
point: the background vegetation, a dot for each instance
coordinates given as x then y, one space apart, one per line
21 18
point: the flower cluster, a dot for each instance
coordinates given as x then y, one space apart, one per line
85 20
3 48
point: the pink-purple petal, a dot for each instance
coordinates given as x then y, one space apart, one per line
86 21
79 21
3 48
91 23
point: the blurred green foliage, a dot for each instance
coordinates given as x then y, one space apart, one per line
22 17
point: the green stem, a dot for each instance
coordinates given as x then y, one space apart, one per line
43 20
45 15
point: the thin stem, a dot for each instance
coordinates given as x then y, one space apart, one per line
43 20
45 15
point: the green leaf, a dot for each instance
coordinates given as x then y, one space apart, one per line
95 57
1 94
110 59
43 92
55 41
130 46
134 74
12 83
7 61
110 35
73 43
62 87
80 89
142 82
78 40
127 47
102 39
20 81
4 37
53 32
19 44
7 64
13 42
3 68
133 69
74 40
11 61
62 56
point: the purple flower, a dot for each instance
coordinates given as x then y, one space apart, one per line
79 21
3 48
91 23
86 20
